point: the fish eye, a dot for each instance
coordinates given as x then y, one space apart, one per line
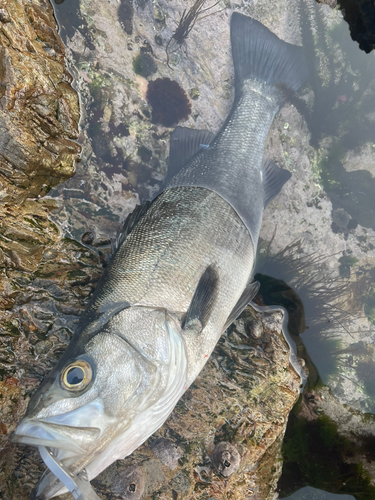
76 376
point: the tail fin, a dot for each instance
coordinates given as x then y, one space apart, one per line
259 53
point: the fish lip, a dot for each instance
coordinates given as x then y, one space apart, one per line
41 433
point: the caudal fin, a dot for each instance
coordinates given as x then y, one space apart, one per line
259 53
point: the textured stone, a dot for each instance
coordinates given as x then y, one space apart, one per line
39 110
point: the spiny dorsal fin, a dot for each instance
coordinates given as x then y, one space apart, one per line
105 313
248 294
274 179
202 302
184 143
130 222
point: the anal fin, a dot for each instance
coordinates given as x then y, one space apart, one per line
248 294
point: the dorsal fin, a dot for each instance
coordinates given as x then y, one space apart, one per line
274 179
202 302
184 143
248 294
104 314
130 222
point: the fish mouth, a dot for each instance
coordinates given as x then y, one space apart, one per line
76 440
63 445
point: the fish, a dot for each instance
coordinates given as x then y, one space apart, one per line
181 273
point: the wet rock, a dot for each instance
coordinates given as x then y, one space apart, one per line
39 114
166 452
129 483
225 458
39 110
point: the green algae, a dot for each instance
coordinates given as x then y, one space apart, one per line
315 454
369 306
144 64
346 262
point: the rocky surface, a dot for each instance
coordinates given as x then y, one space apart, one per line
44 278
39 109
39 114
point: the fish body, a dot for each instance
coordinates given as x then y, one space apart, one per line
180 276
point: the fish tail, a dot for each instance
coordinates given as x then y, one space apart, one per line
259 54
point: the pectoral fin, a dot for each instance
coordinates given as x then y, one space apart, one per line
248 294
202 302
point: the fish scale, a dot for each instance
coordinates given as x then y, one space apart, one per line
240 183
181 226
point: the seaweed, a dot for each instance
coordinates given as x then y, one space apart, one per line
186 24
316 454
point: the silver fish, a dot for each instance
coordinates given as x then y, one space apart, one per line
181 274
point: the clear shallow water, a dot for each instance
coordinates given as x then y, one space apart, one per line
332 297
309 493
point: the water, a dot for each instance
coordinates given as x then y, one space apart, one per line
326 280
309 493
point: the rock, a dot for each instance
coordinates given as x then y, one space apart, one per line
360 15
39 115
39 110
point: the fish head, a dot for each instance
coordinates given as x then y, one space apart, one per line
86 410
